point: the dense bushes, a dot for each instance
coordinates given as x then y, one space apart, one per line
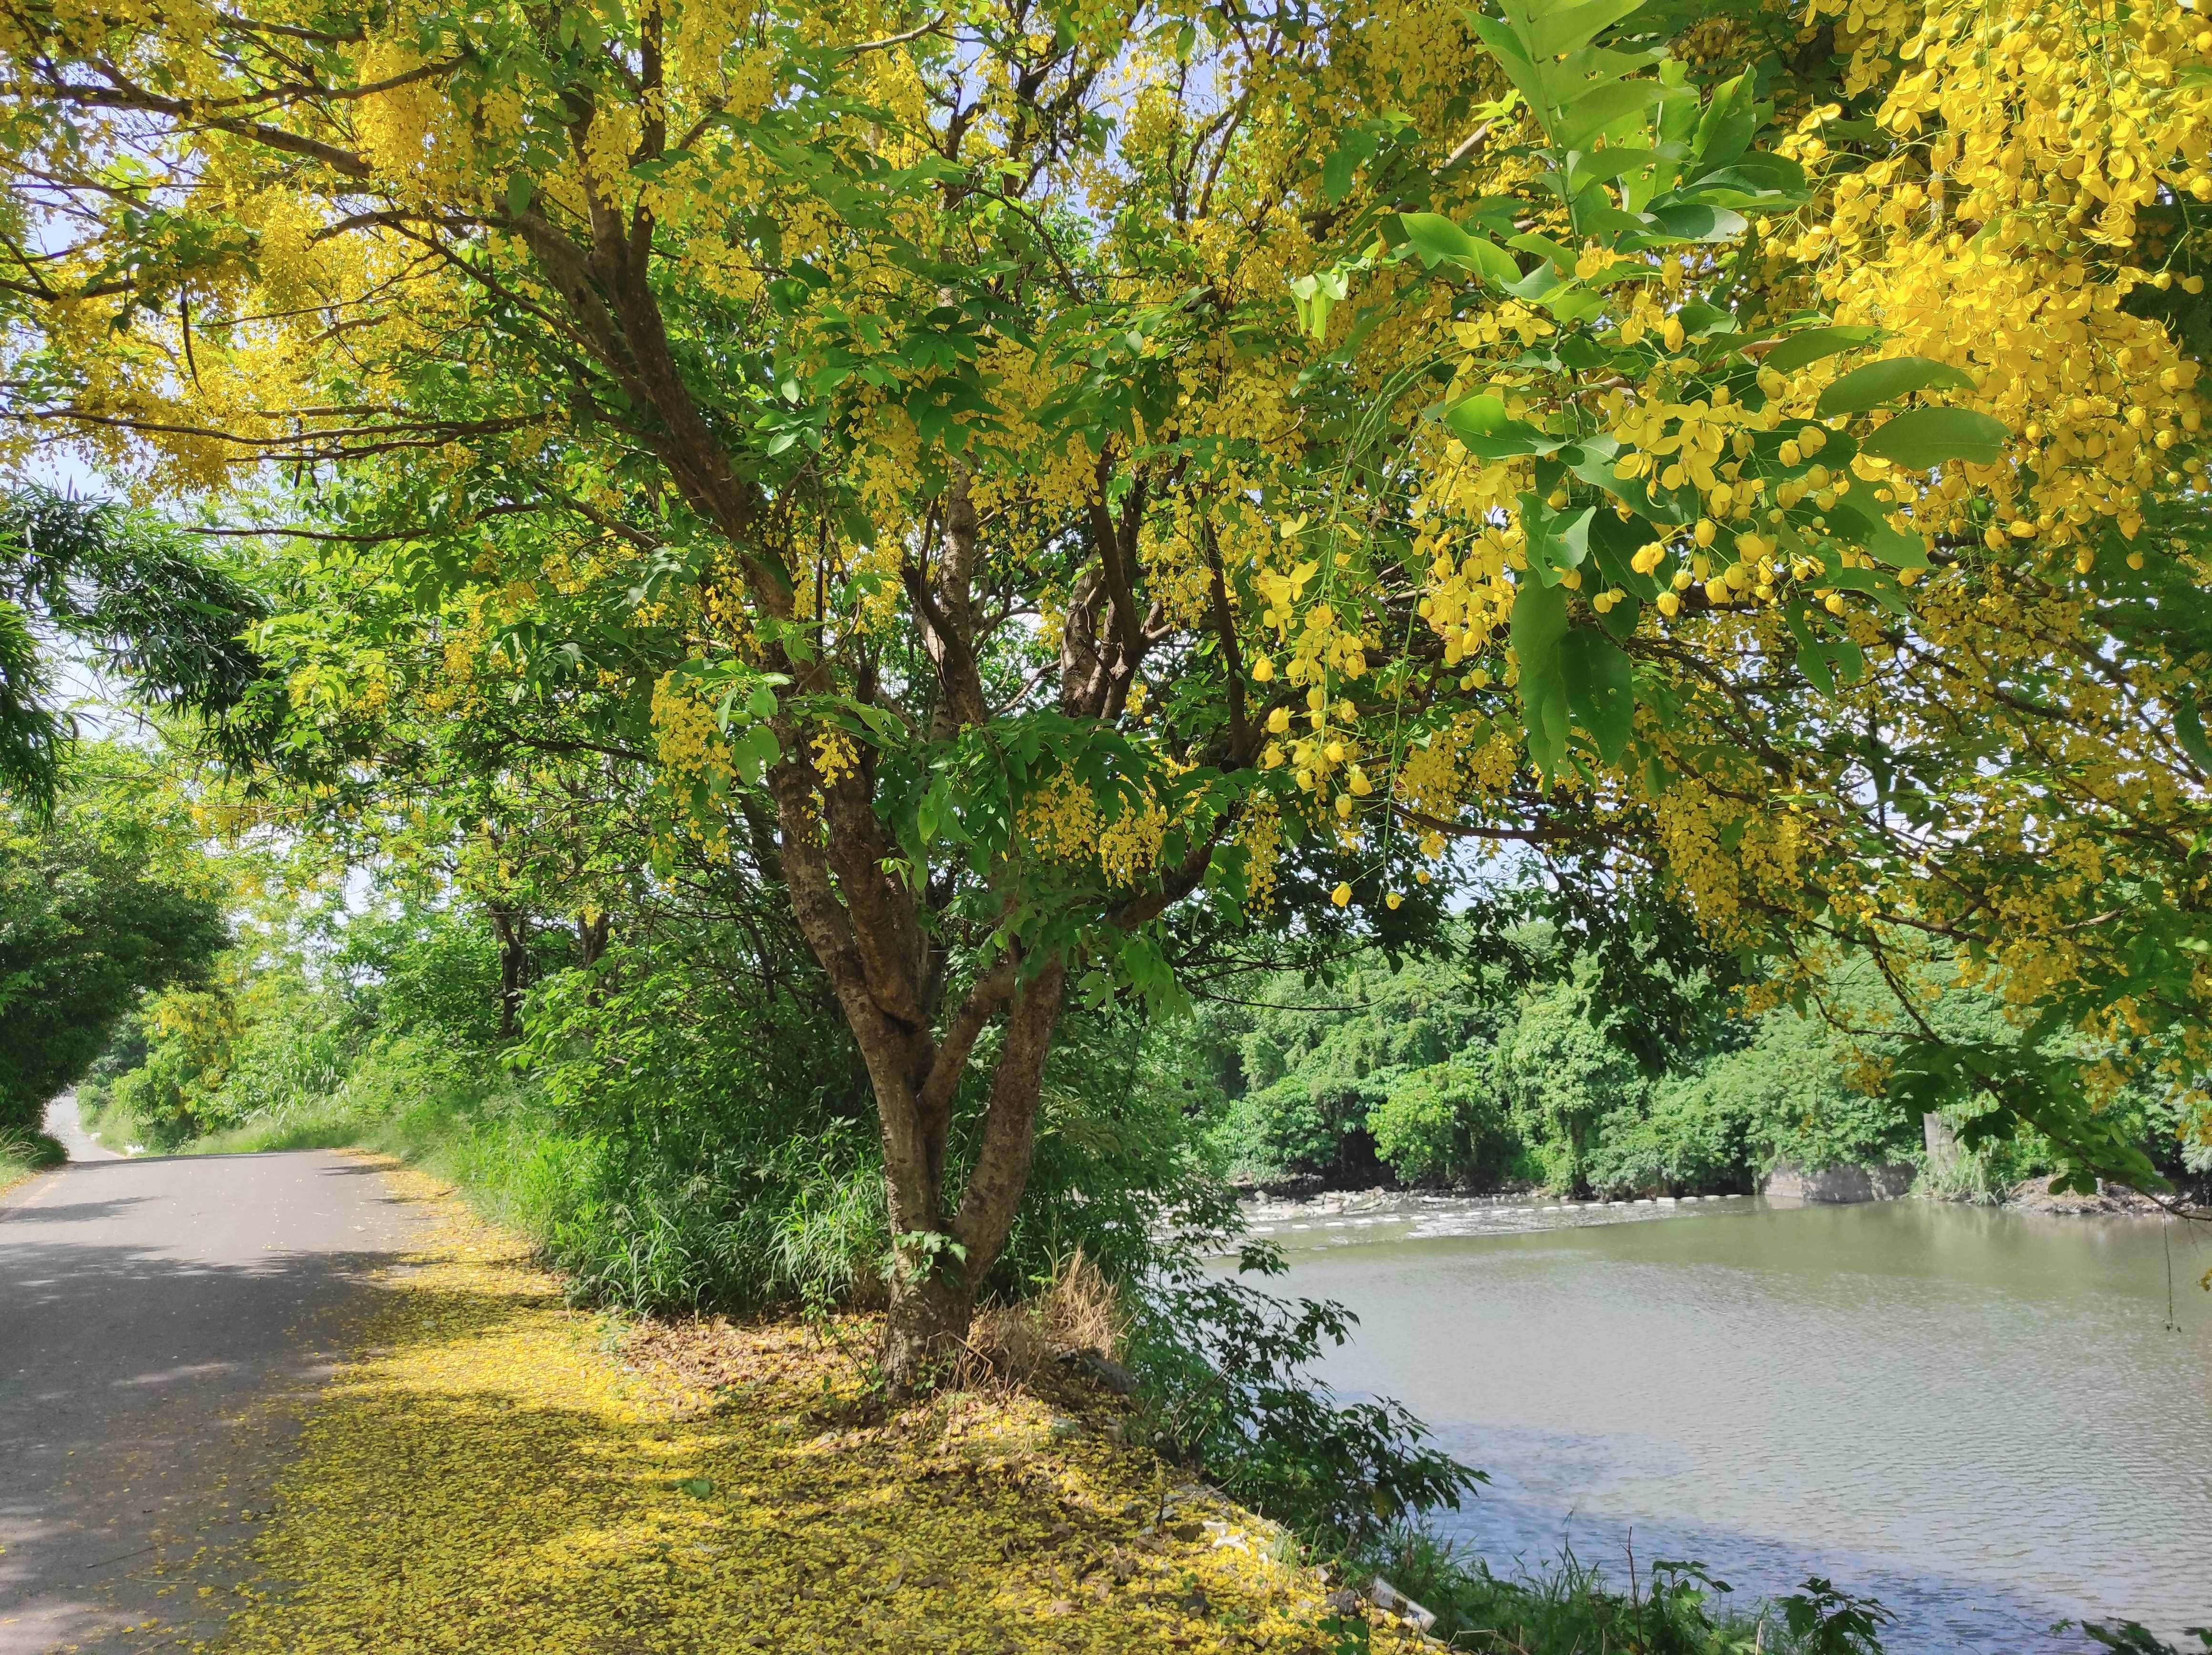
675 1138
1441 1071
99 903
1444 1071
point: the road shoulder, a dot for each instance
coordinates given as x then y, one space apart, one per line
497 1472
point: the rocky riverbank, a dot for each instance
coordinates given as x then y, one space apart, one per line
2035 1195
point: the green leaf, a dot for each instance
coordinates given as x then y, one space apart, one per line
1613 544
1591 458
1928 437
1600 689
1756 179
1602 165
1479 416
1552 31
1870 387
1437 240
754 751
1336 175
1483 427
1678 116
1699 320
520 187
1892 545
1822 656
1601 107
1688 222
1725 131
1560 257
1314 296
2189 730
1812 344
1557 542
1539 622
1513 58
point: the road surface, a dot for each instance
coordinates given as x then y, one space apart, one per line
160 1318
64 1125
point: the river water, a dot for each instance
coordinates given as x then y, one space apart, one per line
1982 1418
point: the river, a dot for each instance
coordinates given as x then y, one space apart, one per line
1982 1418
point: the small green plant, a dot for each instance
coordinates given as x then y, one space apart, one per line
1224 1382
1347 1634
1826 1620
1570 1607
922 1253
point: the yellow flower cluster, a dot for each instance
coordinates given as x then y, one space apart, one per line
835 756
1467 600
1261 834
1433 778
686 738
1061 822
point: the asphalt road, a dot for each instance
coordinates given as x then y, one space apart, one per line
161 1320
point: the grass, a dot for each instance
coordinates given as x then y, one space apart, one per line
1573 1608
23 1152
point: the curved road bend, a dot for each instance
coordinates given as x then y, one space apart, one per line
151 1312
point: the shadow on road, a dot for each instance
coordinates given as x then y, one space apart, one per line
159 1317
82 1211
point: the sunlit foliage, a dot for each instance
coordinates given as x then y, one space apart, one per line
1022 470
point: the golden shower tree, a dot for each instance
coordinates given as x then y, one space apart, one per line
1030 468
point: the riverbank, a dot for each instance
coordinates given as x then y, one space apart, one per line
1288 1199
493 1472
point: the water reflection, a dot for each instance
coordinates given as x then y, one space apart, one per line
1982 1418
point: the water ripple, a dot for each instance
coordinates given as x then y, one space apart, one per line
1982 1418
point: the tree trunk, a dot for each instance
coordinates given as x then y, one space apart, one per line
940 1261
511 928
592 930
926 1325
1943 1143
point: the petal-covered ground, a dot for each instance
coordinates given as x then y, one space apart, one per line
495 1472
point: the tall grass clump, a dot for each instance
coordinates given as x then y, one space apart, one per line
1573 1607
23 1152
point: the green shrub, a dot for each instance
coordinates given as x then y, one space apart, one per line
108 901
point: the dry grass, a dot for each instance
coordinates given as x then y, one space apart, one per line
1015 1344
